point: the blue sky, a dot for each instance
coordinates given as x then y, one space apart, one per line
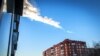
81 18
80 21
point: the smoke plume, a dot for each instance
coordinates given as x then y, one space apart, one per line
32 13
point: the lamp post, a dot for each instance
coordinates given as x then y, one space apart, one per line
15 7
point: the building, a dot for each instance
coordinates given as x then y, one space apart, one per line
93 51
67 48
90 51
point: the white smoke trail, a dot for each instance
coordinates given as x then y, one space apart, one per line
32 13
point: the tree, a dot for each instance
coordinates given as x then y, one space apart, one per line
97 45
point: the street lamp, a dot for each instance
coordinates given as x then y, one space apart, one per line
15 7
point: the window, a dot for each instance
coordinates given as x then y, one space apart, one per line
62 46
73 43
69 44
62 51
74 54
65 45
52 50
77 46
83 46
62 54
56 49
73 47
52 53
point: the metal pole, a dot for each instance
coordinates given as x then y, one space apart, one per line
15 15
10 35
14 37
10 43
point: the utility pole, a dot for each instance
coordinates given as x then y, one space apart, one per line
13 35
15 7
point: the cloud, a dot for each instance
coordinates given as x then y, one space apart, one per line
32 13
69 31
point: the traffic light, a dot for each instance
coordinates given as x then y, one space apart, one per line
15 6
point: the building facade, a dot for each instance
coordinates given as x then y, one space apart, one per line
93 51
67 48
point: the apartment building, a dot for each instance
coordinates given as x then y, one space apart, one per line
93 51
67 48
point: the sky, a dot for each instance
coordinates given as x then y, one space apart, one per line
78 20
